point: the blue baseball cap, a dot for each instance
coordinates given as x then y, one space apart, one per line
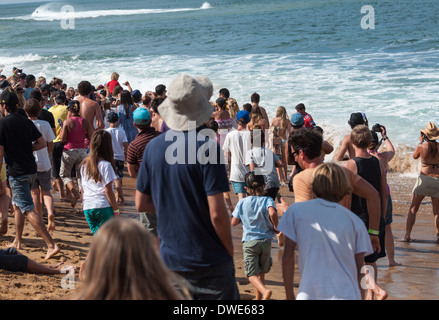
141 116
243 115
297 120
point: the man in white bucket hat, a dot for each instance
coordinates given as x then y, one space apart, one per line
182 178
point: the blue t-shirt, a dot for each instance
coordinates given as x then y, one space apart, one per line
173 173
253 213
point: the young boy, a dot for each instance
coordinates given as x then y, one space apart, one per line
259 221
43 178
120 146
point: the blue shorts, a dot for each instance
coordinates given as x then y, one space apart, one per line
96 217
238 187
21 194
43 180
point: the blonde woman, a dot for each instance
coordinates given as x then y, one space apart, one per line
284 124
233 109
123 264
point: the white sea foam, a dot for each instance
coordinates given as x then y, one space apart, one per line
331 87
54 11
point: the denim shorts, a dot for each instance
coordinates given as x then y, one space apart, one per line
238 187
44 180
21 194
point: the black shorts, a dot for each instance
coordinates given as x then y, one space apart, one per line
10 260
58 148
375 256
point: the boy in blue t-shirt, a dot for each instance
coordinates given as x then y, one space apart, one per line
259 221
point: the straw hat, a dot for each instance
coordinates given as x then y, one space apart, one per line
431 131
187 100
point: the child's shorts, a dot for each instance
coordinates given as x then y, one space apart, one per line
238 187
96 217
119 168
257 256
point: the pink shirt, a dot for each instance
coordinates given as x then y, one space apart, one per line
76 137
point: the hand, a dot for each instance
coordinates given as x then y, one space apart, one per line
281 207
383 131
421 138
375 241
126 83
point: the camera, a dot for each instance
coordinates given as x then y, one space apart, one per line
377 128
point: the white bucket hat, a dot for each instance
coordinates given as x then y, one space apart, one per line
187 100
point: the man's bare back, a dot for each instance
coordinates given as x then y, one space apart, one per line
91 111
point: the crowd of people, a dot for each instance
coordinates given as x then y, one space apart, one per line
81 140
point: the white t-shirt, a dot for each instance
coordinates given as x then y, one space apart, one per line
265 164
238 144
118 137
328 236
42 156
94 193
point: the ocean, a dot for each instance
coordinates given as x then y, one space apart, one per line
335 56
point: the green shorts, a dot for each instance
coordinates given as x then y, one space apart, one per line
257 256
96 217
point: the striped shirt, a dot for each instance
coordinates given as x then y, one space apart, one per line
137 146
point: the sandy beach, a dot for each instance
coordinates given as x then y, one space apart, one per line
415 279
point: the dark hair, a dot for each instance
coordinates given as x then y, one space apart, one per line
74 106
36 94
309 141
255 97
247 107
212 124
32 108
155 104
221 103
146 100
85 88
126 99
160 89
225 92
300 106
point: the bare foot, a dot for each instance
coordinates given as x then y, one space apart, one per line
51 223
381 295
4 227
267 295
407 239
52 252
75 200
394 264
16 244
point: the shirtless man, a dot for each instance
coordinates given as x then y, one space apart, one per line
346 146
90 109
255 98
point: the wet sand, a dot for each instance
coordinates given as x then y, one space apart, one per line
415 279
